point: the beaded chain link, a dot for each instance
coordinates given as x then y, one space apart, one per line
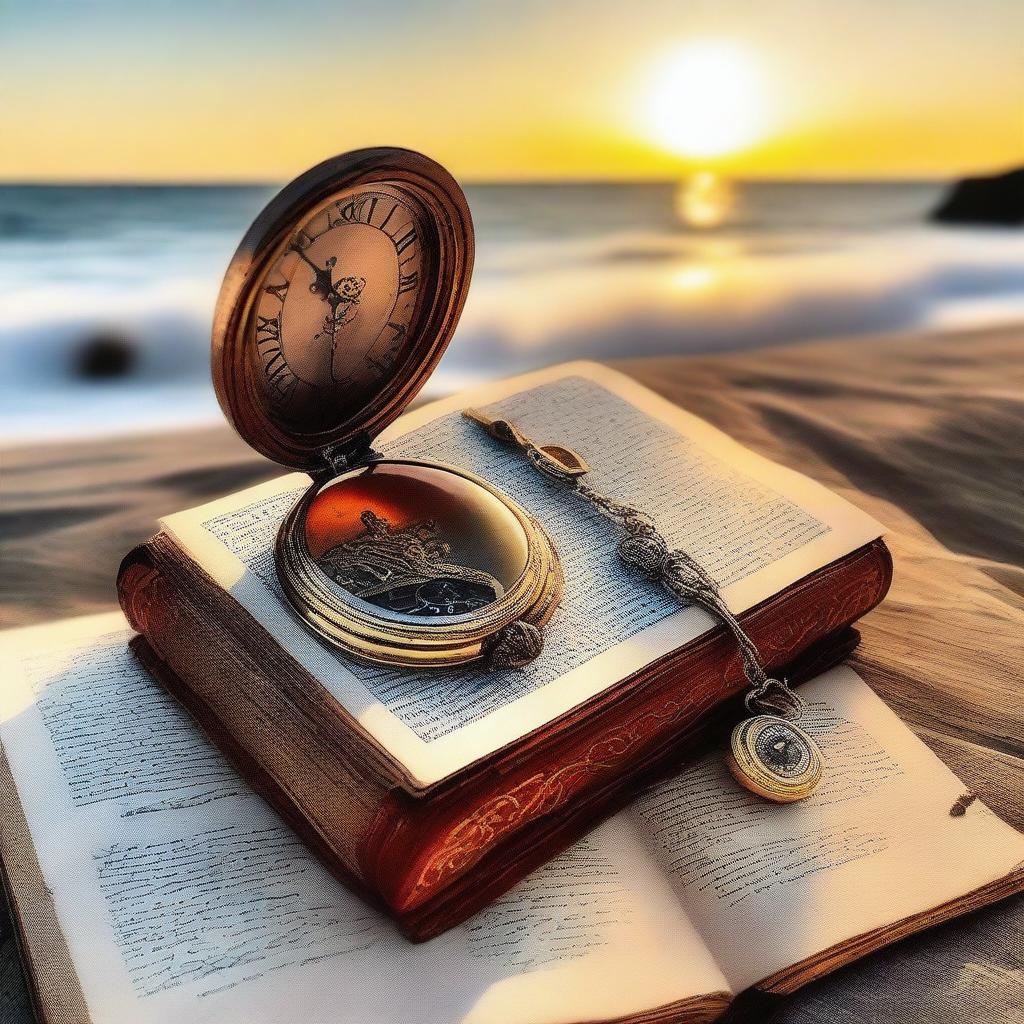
644 548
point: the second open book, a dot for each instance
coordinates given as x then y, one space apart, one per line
151 885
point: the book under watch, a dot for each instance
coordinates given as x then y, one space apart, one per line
433 790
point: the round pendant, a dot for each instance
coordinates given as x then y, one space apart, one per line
774 758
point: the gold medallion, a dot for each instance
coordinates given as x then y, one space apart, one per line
774 758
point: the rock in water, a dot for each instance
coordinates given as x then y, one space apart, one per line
104 356
997 199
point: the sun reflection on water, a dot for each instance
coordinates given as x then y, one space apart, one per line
704 200
694 277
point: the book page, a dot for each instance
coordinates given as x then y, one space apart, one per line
757 526
769 885
182 896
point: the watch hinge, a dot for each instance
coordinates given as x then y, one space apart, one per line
339 458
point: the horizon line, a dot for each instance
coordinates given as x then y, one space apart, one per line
543 182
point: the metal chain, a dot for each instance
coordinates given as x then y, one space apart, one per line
644 547
682 575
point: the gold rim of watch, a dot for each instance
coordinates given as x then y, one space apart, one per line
363 632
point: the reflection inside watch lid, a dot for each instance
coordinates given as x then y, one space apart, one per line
416 539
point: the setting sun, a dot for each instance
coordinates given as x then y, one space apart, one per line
706 99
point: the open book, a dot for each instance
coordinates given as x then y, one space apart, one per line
437 789
755 525
151 885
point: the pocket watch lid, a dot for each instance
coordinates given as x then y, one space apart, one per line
339 302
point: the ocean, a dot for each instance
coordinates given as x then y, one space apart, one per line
562 272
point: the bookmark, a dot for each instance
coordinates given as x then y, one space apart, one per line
769 753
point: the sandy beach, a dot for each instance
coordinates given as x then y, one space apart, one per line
926 432
929 425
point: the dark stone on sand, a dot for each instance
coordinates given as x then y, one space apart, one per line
104 356
997 199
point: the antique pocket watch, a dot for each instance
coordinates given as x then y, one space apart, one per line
334 311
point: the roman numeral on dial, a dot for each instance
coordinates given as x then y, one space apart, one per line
279 291
358 210
276 370
268 328
403 243
385 348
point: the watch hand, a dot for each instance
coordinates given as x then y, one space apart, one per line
323 282
342 305
323 285
334 300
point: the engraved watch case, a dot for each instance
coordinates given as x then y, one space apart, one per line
336 307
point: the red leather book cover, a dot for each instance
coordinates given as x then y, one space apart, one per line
432 860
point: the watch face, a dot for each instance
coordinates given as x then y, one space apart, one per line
416 540
336 312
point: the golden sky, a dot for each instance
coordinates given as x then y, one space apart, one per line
257 90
